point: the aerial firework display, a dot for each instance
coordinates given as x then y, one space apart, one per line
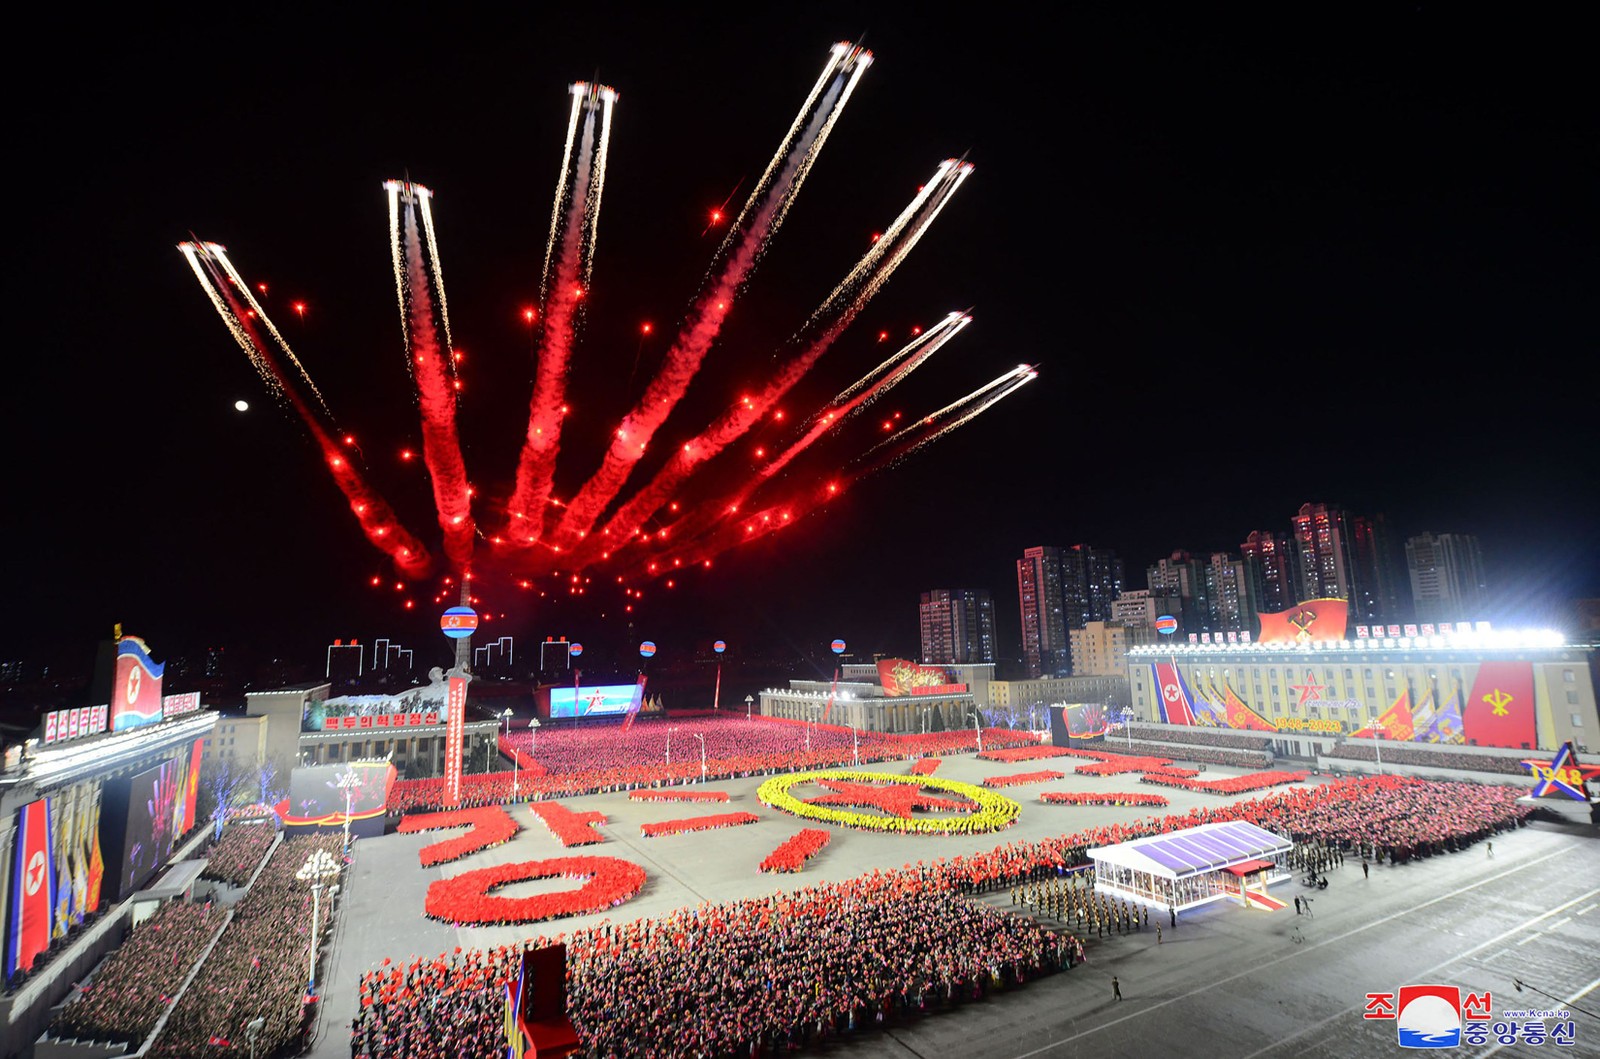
535 536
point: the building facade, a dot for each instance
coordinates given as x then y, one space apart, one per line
1045 648
957 626
1447 577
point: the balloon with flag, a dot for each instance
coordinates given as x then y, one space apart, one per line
837 647
648 649
575 649
720 646
458 622
1166 625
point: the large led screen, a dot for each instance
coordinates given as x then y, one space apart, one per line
602 700
318 797
151 822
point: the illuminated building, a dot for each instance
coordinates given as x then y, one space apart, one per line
1344 556
957 626
1315 693
1045 648
1447 580
1100 648
1268 573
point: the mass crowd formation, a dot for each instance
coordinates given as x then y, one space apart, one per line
239 852
128 992
1250 781
1242 759
1072 899
1440 759
258 967
572 761
778 971
731 978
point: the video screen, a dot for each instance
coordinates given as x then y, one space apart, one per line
153 798
603 700
317 796
1086 720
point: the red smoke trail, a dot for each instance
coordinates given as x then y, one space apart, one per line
376 518
694 340
536 466
436 394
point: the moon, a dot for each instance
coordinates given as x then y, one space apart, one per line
241 406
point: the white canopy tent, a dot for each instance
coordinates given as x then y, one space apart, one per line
1181 869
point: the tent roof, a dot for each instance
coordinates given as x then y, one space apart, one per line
1195 850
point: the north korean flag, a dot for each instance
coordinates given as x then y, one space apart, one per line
33 888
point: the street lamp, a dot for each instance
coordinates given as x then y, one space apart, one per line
702 739
252 1031
669 746
319 866
1127 725
349 781
748 700
978 729
1377 744
855 745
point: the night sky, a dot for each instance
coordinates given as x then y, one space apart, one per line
1346 258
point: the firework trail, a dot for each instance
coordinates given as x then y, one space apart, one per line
764 211
219 256
936 425
732 533
433 367
575 230
220 280
840 309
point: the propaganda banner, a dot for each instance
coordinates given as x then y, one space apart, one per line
1499 712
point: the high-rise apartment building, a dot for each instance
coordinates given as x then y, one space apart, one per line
1344 556
1269 572
957 626
1447 579
1183 577
1228 594
1045 648
1091 580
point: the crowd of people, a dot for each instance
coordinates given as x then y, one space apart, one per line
790 969
1201 737
1242 759
729 979
587 759
258 968
1071 899
239 852
1411 754
125 998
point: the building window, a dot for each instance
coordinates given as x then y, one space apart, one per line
1572 698
1577 720
1567 676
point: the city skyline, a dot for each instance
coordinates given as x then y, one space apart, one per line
1142 222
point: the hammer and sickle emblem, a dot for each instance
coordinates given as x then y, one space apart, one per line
1499 700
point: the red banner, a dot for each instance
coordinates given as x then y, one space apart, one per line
1174 705
901 677
1241 716
191 788
1499 712
1396 722
32 888
1313 620
455 720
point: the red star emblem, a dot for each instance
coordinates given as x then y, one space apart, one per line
894 799
1309 690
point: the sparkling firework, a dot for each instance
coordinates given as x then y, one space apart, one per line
540 538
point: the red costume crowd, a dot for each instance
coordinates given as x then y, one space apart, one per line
573 761
239 852
793 969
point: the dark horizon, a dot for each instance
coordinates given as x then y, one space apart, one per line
1258 265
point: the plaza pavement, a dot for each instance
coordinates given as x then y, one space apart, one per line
1228 983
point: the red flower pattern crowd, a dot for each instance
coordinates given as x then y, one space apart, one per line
1101 798
573 761
697 823
1018 779
729 979
1250 781
488 825
469 899
792 855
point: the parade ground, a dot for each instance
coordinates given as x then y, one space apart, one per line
1227 982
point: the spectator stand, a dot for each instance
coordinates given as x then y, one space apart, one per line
1480 764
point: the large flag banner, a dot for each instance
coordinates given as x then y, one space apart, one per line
33 884
1206 711
1444 724
1499 712
1395 723
97 873
191 793
1170 700
1241 716
1313 620
634 706
136 688
454 732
